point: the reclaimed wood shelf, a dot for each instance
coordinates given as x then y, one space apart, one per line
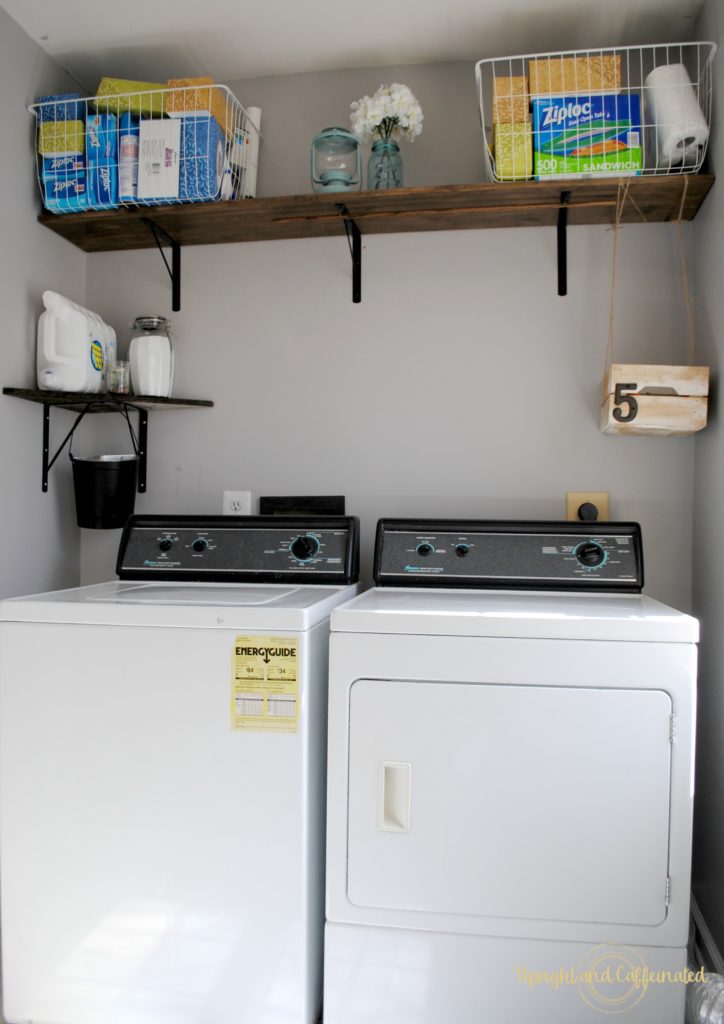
83 403
106 402
438 208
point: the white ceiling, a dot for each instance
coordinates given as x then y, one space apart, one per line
232 39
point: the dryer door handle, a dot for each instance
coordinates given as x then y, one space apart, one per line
393 805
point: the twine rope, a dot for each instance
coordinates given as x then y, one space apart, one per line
622 196
685 276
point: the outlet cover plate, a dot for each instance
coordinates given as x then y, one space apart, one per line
574 500
236 503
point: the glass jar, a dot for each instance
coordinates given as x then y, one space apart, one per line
151 357
384 169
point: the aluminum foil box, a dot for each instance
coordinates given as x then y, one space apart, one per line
201 166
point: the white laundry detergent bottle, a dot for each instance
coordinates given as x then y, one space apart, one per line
74 347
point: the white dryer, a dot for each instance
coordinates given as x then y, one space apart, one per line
162 762
510 781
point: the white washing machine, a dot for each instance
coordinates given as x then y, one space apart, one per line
510 781
162 763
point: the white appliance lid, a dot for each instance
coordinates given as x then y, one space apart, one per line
202 605
495 613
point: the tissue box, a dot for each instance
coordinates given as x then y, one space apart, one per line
146 97
202 158
513 151
61 137
510 100
657 400
65 193
557 75
101 161
196 96
159 145
587 135
60 107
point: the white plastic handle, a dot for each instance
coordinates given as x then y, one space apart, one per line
55 305
394 795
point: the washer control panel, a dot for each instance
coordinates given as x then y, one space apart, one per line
320 549
515 555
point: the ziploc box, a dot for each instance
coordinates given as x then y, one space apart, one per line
101 149
65 193
587 136
202 158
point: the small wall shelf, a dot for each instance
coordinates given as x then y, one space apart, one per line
82 404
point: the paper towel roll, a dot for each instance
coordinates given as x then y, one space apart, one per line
677 127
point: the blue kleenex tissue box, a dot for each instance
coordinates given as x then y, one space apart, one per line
101 149
202 158
60 107
65 193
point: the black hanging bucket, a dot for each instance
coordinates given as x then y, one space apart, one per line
105 490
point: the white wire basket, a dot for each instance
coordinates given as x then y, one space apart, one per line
154 146
596 113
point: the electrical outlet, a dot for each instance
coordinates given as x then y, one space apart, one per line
574 500
236 503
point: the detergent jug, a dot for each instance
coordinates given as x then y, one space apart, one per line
74 347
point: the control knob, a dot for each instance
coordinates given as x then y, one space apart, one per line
425 549
165 544
200 544
590 554
304 547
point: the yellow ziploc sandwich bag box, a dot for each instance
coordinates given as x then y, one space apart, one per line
197 96
145 98
550 76
510 100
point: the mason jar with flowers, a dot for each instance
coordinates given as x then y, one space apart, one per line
391 114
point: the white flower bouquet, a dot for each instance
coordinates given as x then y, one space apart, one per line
392 113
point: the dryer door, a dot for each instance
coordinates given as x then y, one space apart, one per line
546 803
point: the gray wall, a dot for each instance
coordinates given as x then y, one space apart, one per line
708 515
40 539
462 385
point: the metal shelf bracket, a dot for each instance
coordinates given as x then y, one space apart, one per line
354 240
174 271
139 441
562 243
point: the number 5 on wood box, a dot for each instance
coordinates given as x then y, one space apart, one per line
664 400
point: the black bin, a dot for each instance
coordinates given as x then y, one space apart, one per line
105 490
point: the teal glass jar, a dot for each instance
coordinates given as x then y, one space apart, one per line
384 169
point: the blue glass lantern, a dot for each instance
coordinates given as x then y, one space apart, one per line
335 161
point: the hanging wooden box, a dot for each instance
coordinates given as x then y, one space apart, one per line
664 400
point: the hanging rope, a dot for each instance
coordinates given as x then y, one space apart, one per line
621 197
685 276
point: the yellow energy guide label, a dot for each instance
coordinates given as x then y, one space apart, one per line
265 684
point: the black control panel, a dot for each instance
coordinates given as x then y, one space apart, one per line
234 549
508 554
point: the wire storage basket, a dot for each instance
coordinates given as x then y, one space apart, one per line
596 113
189 141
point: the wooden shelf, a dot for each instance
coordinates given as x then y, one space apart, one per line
83 403
441 208
77 400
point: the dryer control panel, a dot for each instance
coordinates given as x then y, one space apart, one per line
509 554
233 549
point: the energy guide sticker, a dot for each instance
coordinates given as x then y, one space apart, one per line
264 684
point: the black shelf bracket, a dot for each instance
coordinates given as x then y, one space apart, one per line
174 271
562 243
139 441
354 240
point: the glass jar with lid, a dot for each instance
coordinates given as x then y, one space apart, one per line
151 357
